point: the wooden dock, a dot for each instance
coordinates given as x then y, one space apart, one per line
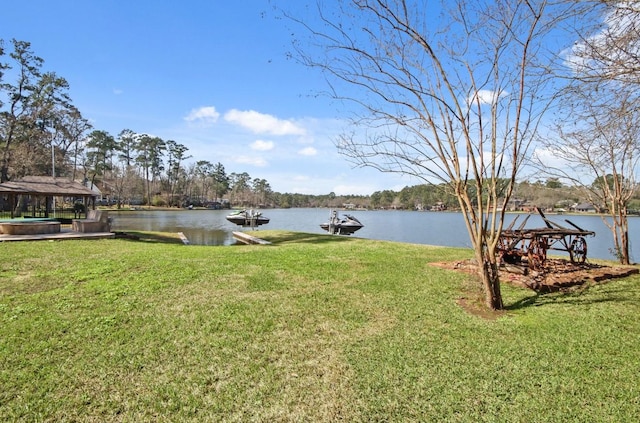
184 238
249 239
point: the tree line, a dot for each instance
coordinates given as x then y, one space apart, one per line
43 133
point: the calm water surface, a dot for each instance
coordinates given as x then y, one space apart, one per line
209 227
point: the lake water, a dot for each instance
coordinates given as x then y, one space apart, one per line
209 227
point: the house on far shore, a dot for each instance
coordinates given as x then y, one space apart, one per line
584 208
439 206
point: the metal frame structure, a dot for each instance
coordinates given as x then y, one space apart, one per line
533 244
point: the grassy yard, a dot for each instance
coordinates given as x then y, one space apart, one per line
313 328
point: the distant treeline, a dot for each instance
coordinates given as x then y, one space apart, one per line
549 194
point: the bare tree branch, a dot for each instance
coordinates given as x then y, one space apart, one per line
443 91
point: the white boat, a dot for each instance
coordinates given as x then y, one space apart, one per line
345 225
247 218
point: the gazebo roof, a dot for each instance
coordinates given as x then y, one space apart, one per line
46 185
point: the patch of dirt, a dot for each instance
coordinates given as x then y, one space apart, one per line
477 308
556 274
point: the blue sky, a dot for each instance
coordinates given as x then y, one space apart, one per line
212 75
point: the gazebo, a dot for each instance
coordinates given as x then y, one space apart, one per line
43 187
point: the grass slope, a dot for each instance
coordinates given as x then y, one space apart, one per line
310 328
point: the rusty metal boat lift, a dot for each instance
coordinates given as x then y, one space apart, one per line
533 244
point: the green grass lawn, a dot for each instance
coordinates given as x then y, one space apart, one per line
313 328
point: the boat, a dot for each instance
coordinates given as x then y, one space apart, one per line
345 225
247 218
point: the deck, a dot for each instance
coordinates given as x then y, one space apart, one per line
249 239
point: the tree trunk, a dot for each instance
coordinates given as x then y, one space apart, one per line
624 246
488 272
624 235
491 284
4 167
620 231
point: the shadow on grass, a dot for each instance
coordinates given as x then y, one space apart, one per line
578 296
524 302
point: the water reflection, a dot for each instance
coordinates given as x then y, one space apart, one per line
201 227
209 227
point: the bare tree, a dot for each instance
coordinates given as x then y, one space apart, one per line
611 50
600 151
599 124
448 92
203 171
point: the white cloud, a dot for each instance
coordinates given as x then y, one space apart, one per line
206 115
549 158
117 91
556 165
615 39
485 96
261 123
262 145
253 161
308 151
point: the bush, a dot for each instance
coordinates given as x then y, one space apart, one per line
158 201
